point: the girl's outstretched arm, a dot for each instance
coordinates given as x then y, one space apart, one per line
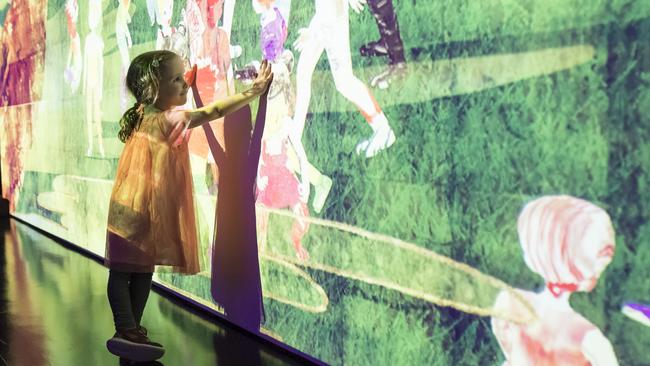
221 108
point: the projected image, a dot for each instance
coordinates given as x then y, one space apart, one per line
440 182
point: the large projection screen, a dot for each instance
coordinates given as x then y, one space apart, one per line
441 181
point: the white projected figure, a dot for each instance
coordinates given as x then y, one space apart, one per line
274 19
164 18
72 73
123 36
329 31
93 70
235 50
153 11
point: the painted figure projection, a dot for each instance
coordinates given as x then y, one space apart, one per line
472 219
72 73
568 242
93 76
124 43
329 32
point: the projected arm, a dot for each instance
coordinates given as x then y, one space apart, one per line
598 350
295 137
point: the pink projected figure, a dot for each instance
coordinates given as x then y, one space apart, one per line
123 36
195 27
93 70
329 31
216 46
274 18
72 73
277 184
569 242
213 60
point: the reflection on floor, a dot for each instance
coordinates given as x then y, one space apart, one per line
54 311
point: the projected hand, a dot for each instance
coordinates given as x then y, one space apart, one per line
263 79
262 183
304 38
357 5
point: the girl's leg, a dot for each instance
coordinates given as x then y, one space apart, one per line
139 290
120 300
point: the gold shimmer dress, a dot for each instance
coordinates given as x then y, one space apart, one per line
151 213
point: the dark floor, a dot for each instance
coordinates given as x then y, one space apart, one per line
54 311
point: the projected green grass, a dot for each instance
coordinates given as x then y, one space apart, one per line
504 101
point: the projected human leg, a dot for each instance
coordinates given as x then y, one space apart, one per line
389 44
93 70
329 31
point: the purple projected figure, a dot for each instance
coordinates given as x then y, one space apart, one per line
93 70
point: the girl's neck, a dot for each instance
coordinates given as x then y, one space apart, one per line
159 108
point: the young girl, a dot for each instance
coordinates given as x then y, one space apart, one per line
151 213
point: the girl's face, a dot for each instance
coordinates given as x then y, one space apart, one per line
172 86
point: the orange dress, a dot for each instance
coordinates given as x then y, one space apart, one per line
151 213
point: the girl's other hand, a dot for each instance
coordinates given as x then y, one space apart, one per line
263 79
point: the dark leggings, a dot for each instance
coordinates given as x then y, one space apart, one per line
128 294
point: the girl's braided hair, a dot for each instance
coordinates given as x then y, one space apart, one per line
142 80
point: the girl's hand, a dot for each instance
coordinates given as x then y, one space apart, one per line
263 80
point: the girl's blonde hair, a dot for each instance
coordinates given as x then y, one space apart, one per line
142 80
